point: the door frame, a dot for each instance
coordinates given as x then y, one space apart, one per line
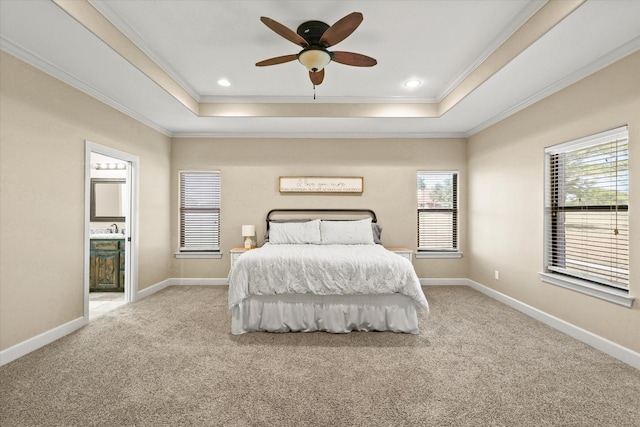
131 221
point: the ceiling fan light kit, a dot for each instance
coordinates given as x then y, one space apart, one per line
315 37
314 59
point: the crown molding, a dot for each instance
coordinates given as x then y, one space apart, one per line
138 40
321 135
626 49
521 18
545 19
59 74
214 99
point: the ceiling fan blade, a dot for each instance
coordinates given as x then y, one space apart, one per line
277 60
341 29
283 31
316 76
354 59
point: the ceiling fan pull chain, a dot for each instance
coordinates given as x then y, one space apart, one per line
314 91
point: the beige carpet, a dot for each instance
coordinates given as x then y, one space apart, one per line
169 360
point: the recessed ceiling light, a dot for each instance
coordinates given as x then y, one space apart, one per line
412 83
224 82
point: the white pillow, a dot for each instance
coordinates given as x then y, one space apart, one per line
346 232
295 233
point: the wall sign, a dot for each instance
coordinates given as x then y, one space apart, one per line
321 184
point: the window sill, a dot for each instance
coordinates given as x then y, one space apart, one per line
582 286
198 255
438 255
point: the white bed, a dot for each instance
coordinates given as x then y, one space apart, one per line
324 276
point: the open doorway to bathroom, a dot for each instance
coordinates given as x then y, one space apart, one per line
110 222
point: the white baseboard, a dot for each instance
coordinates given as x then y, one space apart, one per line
444 282
617 351
153 289
25 347
177 281
201 282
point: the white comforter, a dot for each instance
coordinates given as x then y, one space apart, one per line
323 270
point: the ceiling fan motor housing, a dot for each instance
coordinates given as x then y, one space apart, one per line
312 31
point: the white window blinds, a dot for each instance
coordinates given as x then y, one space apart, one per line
587 211
199 211
437 211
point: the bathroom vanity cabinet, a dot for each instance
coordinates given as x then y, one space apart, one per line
107 264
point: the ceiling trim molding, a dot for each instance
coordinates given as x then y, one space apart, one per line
59 74
322 135
320 110
105 9
525 14
101 27
214 99
547 17
626 49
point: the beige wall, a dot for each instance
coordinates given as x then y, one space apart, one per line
506 196
250 169
44 125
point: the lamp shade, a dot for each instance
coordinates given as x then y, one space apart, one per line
314 59
248 230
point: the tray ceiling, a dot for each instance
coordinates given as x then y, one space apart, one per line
477 61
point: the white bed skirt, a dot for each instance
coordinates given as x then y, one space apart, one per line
331 313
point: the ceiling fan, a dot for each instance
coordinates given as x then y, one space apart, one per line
315 37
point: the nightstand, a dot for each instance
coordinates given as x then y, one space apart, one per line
403 252
236 252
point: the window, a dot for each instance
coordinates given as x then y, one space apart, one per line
199 211
437 212
587 214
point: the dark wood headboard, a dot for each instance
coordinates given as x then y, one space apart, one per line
337 212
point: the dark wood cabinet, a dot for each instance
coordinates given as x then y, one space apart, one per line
107 264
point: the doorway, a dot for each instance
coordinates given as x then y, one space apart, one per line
111 212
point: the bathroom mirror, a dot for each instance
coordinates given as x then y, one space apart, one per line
107 200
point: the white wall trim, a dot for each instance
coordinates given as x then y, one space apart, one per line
437 255
201 282
444 282
612 295
617 351
591 68
121 24
178 281
323 135
507 32
153 289
198 255
58 73
32 344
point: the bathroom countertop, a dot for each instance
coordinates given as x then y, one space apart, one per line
107 236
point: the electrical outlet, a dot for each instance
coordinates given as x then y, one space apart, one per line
496 274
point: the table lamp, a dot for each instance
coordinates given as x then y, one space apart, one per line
248 231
